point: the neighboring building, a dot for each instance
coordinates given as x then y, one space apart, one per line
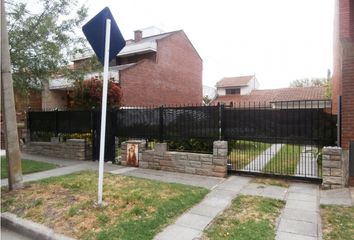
343 67
237 85
157 69
343 75
239 91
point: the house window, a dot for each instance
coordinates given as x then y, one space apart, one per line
233 91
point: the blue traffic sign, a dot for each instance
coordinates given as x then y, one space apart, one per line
95 32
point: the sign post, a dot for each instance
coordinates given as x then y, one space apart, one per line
101 31
104 111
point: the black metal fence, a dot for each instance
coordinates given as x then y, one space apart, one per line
250 128
168 123
284 138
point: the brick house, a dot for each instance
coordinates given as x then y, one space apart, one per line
244 90
343 73
156 69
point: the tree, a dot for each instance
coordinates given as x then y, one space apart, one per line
306 82
42 42
8 108
315 82
206 100
88 94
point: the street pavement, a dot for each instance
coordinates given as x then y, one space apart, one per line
7 234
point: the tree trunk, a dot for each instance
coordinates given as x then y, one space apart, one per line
8 103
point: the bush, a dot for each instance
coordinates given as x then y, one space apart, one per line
88 94
192 145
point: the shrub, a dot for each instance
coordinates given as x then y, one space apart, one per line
88 94
192 145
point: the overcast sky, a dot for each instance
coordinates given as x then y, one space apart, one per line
278 40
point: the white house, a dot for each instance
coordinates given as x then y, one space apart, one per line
242 85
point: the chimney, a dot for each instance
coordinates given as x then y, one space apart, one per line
138 35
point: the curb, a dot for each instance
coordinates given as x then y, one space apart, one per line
30 229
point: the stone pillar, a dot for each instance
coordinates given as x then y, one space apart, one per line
219 159
334 168
124 150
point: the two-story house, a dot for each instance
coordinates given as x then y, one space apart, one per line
239 91
242 85
154 68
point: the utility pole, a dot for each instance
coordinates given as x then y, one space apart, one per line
13 153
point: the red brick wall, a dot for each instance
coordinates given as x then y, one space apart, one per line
337 57
34 101
343 67
348 95
174 78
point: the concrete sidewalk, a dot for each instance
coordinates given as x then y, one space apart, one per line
192 223
300 218
67 166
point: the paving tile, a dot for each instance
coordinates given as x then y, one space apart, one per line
221 193
183 178
298 227
216 201
253 189
233 184
195 221
337 201
275 192
122 170
295 214
302 197
302 205
207 210
239 180
177 232
336 197
292 236
304 188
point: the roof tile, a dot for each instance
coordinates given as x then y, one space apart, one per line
234 81
266 96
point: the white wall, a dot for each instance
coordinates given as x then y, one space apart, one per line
221 91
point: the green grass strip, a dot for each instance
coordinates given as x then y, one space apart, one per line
28 166
135 208
337 222
248 218
243 152
285 161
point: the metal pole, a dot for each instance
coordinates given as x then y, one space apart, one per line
104 111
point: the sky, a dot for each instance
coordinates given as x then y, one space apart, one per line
277 40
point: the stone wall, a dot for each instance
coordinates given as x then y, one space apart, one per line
194 163
76 149
334 168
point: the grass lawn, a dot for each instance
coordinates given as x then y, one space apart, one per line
243 152
285 161
28 166
136 208
248 218
337 222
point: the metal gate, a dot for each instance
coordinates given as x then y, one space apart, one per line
110 153
280 138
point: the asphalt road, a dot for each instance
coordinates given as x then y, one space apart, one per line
7 234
